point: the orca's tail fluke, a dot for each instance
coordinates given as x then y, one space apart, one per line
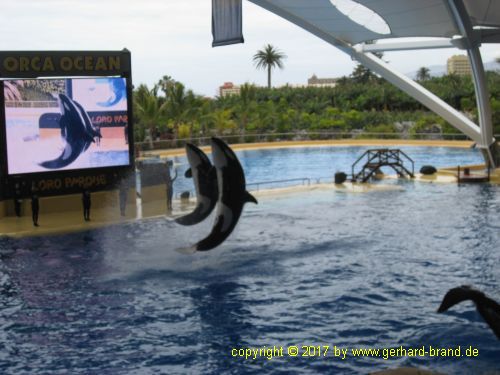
487 308
456 295
68 156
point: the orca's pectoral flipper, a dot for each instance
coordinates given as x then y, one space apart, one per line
249 198
487 308
188 173
193 217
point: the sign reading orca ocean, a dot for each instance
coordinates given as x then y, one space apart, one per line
64 116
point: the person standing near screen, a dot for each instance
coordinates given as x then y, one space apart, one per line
17 200
123 192
170 187
86 200
35 206
98 135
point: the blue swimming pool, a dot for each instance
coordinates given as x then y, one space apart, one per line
322 163
321 268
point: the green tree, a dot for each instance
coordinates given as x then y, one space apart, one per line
165 84
224 124
150 112
362 75
181 105
423 74
244 108
269 58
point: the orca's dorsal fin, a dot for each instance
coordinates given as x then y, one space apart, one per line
250 198
188 173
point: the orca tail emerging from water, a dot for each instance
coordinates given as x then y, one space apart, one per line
456 295
487 308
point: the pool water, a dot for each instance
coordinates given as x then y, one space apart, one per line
321 268
321 163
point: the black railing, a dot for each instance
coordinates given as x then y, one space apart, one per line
294 136
377 158
304 181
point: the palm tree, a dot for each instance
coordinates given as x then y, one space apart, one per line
181 105
149 110
269 58
423 74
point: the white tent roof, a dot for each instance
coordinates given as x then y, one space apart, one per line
405 18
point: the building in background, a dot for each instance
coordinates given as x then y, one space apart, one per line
228 88
459 64
314 81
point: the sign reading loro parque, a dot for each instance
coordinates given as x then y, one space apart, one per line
65 121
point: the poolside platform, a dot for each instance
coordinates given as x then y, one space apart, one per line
59 215
64 214
478 173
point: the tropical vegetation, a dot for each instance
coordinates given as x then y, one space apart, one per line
361 104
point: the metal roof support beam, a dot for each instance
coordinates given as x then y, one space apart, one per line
459 12
405 46
424 96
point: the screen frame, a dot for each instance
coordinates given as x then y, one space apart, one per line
3 129
20 184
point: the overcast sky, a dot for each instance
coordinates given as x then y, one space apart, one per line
173 37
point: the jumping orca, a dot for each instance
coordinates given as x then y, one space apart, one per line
205 181
488 308
232 195
76 129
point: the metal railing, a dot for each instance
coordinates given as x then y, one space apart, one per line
294 136
32 104
377 158
303 180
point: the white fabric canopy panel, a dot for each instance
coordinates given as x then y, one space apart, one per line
484 12
404 18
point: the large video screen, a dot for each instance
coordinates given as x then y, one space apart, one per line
65 124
